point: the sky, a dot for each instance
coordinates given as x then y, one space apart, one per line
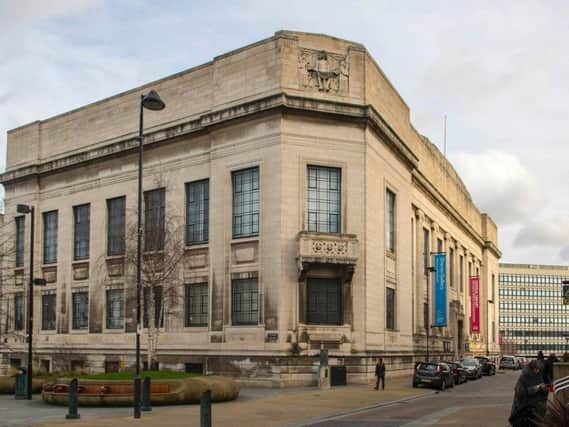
497 70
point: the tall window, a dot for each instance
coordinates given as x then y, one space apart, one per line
493 287
246 202
244 302
50 237
439 245
324 199
19 312
451 266
80 310
426 316
461 268
115 309
154 219
197 212
324 301
426 250
390 221
390 308
20 235
116 211
48 312
197 304
157 303
82 224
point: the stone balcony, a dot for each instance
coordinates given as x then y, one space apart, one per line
335 250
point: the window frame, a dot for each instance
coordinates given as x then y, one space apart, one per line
390 221
150 213
188 300
20 240
50 235
79 322
253 283
19 311
325 195
108 317
201 211
81 232
390 308
48 312
239 203
116 226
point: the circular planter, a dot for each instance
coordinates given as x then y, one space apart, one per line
120 392
8 384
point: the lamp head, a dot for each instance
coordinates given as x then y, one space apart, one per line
152 101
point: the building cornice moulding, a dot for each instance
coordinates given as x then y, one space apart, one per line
205 122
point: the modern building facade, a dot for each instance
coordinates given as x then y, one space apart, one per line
532 314
310 210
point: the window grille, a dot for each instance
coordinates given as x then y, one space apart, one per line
80 310
197 304
389 221
48 312
18 312
50 237
115 309
116 211
244 302
154 219
324 302
324 199
390 308
246 202
197 212
20 235
82 224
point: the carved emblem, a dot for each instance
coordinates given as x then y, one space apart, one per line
323 71
320 247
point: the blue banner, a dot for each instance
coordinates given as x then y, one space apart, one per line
440 290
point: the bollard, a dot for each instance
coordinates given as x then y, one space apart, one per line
205 409
72 401
137 396
146 395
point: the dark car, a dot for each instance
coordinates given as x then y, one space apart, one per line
488 367
473 368
458 372
433 374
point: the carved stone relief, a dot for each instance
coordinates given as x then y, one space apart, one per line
323 71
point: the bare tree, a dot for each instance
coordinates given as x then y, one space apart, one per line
162 247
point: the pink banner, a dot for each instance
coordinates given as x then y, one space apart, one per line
475 304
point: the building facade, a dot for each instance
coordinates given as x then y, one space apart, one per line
308 207
533 316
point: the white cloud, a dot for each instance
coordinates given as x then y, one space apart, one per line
500 185
544 232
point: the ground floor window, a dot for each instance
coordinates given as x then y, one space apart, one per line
48 312
19 312
80 310
158 307
244 302
196 304
115 309
324 302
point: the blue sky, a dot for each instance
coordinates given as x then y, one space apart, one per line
497 69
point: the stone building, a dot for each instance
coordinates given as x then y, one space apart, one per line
533 315
311 207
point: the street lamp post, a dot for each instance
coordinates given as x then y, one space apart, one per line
26 209
150 101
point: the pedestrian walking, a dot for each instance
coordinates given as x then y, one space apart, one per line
380 374
530 397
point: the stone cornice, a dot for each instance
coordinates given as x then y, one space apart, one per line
423 184
203 123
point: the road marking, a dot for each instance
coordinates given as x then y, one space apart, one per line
433 418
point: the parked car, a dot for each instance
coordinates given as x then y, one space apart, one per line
488 366
473 368
508 362
433 374
458 372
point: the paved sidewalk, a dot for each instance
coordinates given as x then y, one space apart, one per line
287 409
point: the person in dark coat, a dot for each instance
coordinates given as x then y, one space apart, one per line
380 374
548 369
530 397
